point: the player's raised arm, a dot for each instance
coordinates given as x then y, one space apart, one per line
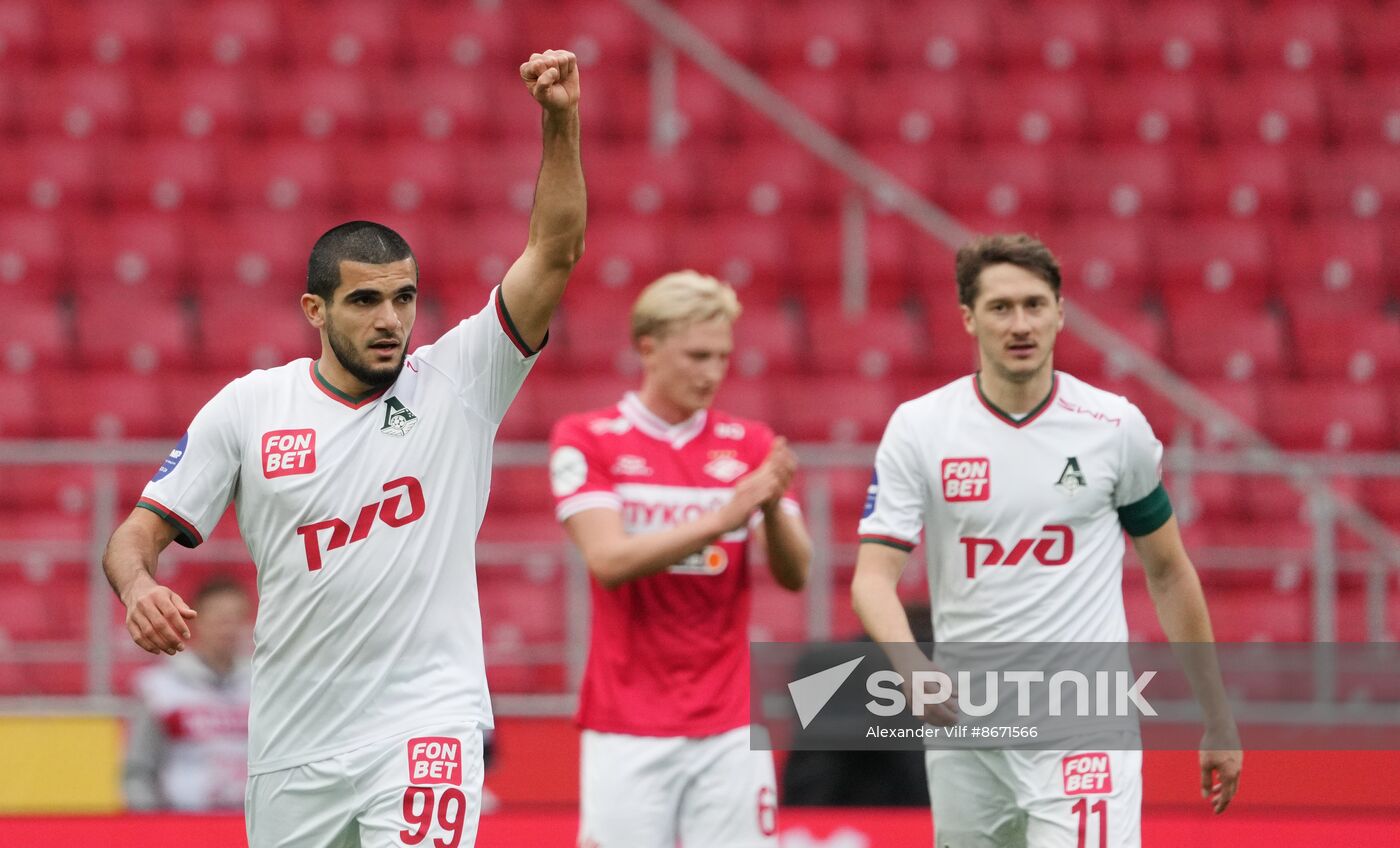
155 616
535 283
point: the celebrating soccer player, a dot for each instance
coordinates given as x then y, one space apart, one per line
359 480
664 497
1019 451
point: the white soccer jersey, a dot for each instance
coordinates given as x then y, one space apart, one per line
361 515
1023 520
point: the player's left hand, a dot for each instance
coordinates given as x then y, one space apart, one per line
552 78
1220 776
784 464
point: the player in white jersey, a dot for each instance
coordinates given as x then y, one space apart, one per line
188 747
359 481
1022 480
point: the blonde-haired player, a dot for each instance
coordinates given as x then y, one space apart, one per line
664 497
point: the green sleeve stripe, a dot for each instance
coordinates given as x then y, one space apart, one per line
887 541
1148 514
187 535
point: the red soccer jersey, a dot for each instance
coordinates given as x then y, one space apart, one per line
669 652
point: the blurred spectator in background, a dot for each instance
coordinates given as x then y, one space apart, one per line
188 748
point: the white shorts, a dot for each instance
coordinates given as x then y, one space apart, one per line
650 791
420 789
1041 799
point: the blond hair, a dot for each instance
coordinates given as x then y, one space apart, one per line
682 297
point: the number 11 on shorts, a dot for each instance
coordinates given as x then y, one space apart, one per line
1081 810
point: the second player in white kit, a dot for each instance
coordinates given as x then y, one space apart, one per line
359 481
1022 481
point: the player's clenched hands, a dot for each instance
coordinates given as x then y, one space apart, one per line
763 485
155 618
552 77
1220 776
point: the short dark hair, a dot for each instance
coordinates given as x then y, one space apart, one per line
354 241
1016 249
218 586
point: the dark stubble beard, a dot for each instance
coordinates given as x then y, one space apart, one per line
351 361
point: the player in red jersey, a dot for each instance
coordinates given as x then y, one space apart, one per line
664 497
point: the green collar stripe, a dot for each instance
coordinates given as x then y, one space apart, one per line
1009 419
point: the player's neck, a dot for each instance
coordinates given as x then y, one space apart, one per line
1015 397
657 404
330 369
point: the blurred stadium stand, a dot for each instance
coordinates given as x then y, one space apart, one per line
1220 180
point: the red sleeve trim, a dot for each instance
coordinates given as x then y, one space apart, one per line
888 541
511 332
190 536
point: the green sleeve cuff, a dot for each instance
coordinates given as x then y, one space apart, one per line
187 535
1148 514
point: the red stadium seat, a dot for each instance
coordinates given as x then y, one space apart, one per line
1375 34
823 96
1331 267
1055 36
915 166
439 35
135 254
32 252
1103 262
1030 108
23 31
404 175
998 182
1240 345
435 103
818 260
1366 112
183 394
556 396
752 253
1243 181
1150 108
342 33
20 413
1080 358
596 340
1297 36
78 102
626 253
467 257
500 178
600 32
816 34
704 108
729 23
630 178
282 176
84 404
1210 496
886 108
49 174
951 350
25 613
516 488
38 336
260 255
749 398
111 32
778 615
164 175
240 335
227 32
1260 615
804 413
1221 261
937 34
765 177
1276 108
1358 344
314 103
621 115
195 102
120 330
1362 182
1381 496
767 340
1327 415
871 345
1120 182
1173 36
